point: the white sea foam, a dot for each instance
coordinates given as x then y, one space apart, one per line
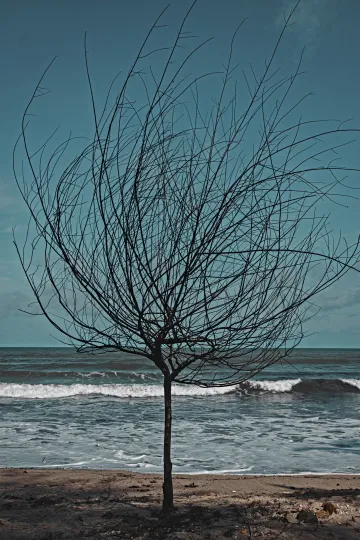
305 473
353 382
142 461
284 385
65 465
121 455
49 391
92 374
223 471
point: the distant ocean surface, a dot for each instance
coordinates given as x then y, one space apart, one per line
64 409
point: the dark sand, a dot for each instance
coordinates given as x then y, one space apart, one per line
73 504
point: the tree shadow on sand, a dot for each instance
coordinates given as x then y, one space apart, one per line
316 493
55 511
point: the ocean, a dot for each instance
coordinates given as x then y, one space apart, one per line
64 409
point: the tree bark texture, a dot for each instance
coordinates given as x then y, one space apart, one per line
168 496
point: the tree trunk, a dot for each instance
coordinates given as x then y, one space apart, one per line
168 495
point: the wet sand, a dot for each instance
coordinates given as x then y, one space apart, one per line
56 504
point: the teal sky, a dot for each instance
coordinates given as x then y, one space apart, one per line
32 33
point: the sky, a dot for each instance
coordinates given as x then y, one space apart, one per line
33 33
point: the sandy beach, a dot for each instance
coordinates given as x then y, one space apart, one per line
69 504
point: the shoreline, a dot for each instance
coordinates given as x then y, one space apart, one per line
49 468
60 503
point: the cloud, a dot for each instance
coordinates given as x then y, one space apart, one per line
308 20
10 200
344 300
11 302
339 316
6 200
18 228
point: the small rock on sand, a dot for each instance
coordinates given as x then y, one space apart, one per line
307 516
290 518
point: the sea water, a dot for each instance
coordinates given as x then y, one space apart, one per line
60 408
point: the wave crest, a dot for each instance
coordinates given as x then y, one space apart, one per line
303 386
280 386
51 391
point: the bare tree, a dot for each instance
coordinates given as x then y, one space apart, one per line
188 238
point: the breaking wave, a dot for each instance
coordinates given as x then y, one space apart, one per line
280 386
303 386
300 386
49 391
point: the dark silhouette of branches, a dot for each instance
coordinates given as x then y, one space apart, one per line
183 236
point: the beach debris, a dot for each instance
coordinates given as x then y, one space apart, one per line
47 500
322 514
307 516
329 507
